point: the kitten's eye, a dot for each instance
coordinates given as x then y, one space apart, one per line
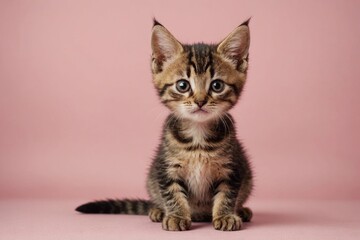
182 86
217 86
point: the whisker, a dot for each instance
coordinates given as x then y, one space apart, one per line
231 120
225 124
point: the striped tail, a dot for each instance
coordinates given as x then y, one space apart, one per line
116 206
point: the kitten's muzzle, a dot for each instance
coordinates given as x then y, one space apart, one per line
200 103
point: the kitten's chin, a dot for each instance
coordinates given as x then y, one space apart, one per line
200 116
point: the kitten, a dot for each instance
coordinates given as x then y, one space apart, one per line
201 171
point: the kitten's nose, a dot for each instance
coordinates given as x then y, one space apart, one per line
200 103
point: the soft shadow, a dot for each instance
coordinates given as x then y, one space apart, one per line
262 219
198 225
273 218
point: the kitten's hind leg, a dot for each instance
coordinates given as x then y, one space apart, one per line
244 213
156 214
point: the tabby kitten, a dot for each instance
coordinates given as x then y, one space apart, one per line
201 171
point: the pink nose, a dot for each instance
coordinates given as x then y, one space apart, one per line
200 103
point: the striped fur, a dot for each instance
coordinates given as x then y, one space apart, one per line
201 171
116 206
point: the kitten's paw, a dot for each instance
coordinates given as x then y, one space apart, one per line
156 214
245 214
174 223
230 222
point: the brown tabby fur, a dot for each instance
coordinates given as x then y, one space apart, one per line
201 171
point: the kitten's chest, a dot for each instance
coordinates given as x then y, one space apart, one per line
200 171
199 167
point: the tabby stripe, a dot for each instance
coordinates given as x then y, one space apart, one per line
190 59
190 56
238 64
164 181
179 138
175 95
163 90
116 206
168 194
188 71
199 147
230 194
229 101
210 65
215 185
191 93
236 90
194 66
129 207
169 100
225 95
183 186
218 137
175 132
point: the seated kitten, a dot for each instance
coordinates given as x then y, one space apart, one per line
201 171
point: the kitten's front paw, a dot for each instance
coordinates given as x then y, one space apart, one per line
156 214
229 222
174 223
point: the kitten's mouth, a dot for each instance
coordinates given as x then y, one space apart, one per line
200 111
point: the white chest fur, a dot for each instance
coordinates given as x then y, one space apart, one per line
199 177
198 132
200 166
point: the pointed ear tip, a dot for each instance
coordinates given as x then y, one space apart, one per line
246 23
156 23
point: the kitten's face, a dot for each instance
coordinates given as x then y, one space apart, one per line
199 82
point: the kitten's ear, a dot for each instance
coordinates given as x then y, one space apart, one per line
164 46
236 46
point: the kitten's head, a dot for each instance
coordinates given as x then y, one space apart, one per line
199 82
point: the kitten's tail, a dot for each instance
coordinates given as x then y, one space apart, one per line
116 206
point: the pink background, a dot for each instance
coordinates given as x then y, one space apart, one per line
79 117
